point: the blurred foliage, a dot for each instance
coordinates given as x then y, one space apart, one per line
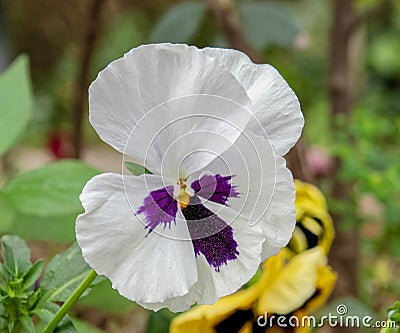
42 204
15 102
266 24
52 190
179 24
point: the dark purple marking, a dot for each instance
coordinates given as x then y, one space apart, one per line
159 207
215 188
217 248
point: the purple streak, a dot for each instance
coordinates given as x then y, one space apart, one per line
215 188
159 207
220 246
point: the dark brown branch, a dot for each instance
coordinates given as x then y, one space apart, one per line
88 44
344 253
297 163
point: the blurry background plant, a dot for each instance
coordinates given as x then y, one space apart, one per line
340 56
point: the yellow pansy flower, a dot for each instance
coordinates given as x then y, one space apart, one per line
314 225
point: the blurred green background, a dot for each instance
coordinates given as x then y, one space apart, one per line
342 58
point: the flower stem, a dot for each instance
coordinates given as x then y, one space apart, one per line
69 303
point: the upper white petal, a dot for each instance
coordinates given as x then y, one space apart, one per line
114 242
276 107
186 133
150 75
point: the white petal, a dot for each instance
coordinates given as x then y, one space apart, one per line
269 250
212 285
251 161
186 133
276 106
280 220
148 76
114 242
265 185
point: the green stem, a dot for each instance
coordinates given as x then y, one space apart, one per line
69 303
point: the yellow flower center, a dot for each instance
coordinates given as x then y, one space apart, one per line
183 197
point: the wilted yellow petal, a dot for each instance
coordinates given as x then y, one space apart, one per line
308 192
293 285
203 318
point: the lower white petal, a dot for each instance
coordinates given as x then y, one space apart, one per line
141 266
269 250
212 284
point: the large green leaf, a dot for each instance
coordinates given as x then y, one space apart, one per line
268 23
16 255
57 229
27 324
7 215
47 311
15 102
179 24
52 190
32 274
64 273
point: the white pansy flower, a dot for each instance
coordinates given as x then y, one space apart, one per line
211 127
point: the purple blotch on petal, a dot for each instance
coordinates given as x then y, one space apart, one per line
215 188
159 207
220 246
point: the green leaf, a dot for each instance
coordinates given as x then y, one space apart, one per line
266 23
64 273
27 324
394 313
6 276
3 318
52 190
15 102
32 274
16 255
56 229
46 314
179 24
7 214
10 326
136 169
